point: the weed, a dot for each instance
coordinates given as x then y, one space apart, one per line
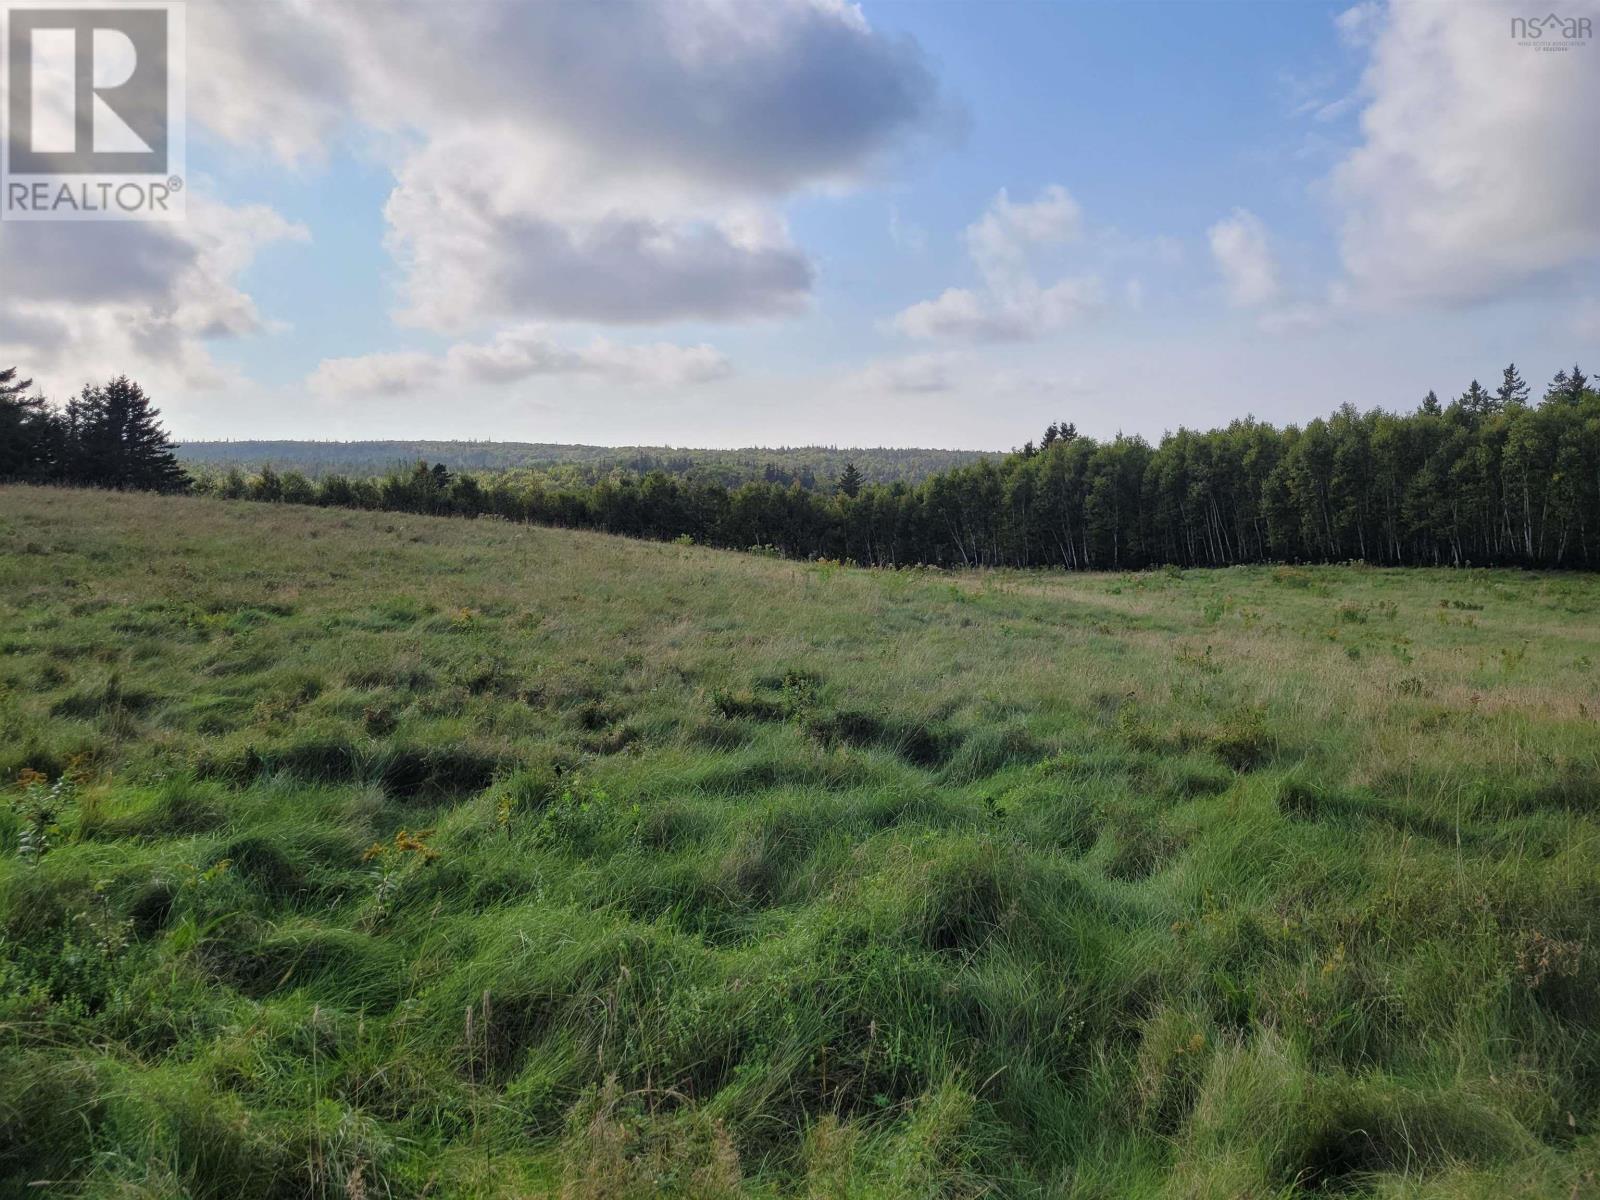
1411 685
41 807
391 863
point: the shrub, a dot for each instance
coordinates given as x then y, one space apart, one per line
41 807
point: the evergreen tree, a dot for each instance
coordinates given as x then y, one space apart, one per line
850 481
1567 389
1577 383
268 486
1431 405
10 386
1477 401
28 431
114 440
1513 392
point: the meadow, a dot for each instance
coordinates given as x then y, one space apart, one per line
358 854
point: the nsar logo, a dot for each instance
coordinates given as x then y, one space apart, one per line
1552 32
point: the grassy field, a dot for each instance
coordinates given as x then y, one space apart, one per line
353 855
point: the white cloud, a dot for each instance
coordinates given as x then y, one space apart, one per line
1025 312
482 233
572 162
516 355
519 354
1001 240
402 373
1013 305
1244 257
1359 24
267 76
916 374
1476 173
85 300
955 311
1334 109
578 161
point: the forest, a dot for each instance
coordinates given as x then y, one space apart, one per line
565 465
1490 478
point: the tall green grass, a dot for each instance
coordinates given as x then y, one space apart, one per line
407 857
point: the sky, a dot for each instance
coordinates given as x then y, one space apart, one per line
769 222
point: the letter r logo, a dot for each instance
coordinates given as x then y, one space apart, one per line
88 91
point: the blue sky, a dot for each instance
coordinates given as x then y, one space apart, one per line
915 223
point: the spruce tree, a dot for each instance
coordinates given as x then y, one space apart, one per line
115 440
850 481
1477 400
1557 392
28 431
1513 391
1431 405
12 387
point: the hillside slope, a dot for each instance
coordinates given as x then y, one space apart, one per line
412 857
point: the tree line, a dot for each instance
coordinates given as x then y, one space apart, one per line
106 436
1490 478
571 465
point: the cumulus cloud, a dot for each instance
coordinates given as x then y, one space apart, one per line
1243 256
522 353
579 161
576 162
1475 174
93 298
479 237
766 97
916 374
1001 240
1012 305
515 355
266 76
1025 311
402 373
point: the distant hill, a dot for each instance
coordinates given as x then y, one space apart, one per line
807 465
